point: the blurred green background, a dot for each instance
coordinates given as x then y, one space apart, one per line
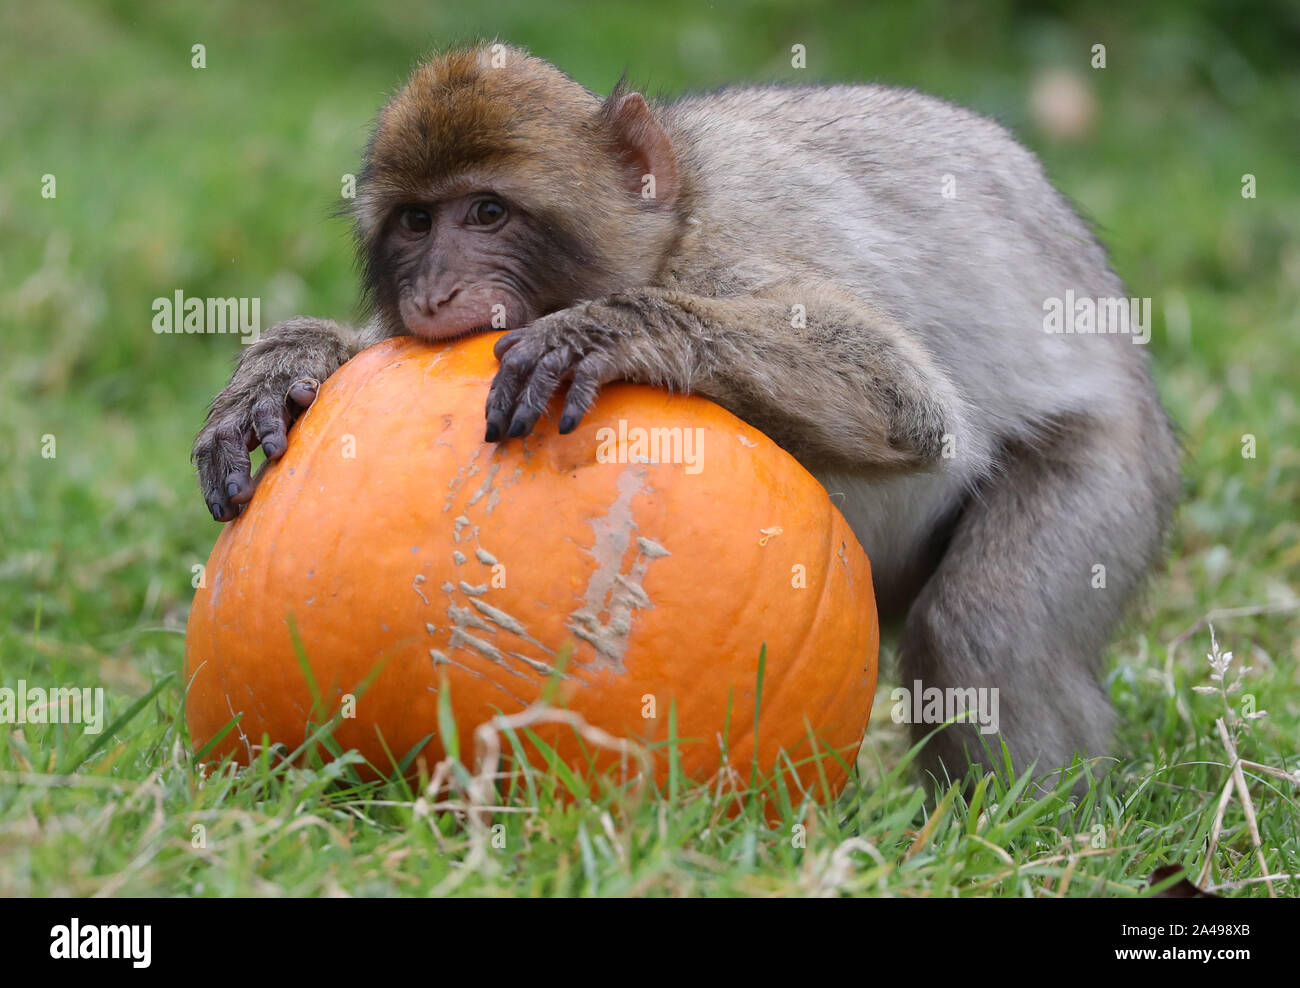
221 181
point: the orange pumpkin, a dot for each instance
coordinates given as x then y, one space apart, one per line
640 563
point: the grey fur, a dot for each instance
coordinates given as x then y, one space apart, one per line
1065 457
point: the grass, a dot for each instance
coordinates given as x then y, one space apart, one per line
220 181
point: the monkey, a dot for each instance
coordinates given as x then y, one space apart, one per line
859 271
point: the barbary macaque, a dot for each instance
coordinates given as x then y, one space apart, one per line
860 272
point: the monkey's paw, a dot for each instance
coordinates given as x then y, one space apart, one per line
242 417
276 379
571 345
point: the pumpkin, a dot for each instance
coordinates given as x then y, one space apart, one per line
641 565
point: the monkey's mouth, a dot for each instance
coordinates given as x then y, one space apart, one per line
446 324
442 333
460 316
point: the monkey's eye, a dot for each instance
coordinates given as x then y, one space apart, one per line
415 220
486 212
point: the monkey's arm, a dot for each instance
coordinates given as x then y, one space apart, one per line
844 386
275 379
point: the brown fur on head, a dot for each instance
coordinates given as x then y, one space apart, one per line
494 119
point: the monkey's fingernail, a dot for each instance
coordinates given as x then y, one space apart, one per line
215 508
490 436
517 428
271 448
232 489
303 392
567 424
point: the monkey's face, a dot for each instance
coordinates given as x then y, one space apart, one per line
496 190
459 265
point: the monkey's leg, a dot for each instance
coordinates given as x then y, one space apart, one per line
1042 563
826 377
274 380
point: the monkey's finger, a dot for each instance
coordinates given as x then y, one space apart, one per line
239 484
303 391
221 455
536 395
271 422
504 393
589 375
506 342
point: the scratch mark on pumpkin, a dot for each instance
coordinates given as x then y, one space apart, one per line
459 639
460 522
634 592
441 658
458 557
473 591
542 667
463 617
428 370
464 471
486 486
500 617
610 591
652 549
462 639
485 557
415 585
508 623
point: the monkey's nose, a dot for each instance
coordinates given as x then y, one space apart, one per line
430 302
434 315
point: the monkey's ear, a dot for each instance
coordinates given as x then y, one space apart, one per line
645 151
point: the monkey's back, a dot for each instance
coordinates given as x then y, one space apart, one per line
928 211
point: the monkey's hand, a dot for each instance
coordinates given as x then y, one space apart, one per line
845 387
581 345
275 379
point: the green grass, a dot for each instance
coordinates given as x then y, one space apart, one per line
220 182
